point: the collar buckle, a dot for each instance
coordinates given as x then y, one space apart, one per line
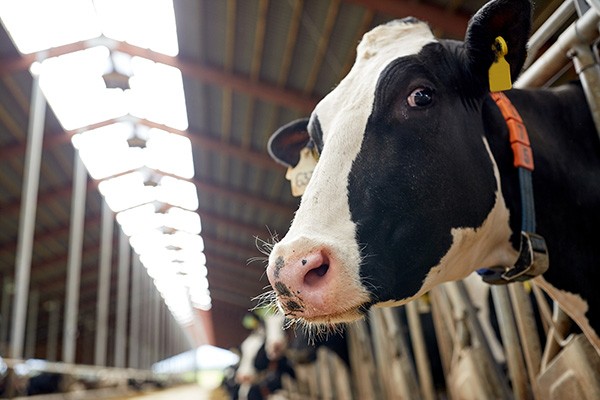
532 262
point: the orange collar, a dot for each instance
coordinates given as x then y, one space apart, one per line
519 139
533 253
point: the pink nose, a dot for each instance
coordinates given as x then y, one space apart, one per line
301 281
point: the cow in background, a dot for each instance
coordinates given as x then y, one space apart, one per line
416 183
262 359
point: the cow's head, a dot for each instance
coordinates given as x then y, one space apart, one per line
406 192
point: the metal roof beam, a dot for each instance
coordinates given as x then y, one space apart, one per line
215 76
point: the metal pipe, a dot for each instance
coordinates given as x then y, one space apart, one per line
156 327
102 302
584 30
31 177
510 340
134 321
420 351
122 293
74 259
460 298
588 70
526 325
548 28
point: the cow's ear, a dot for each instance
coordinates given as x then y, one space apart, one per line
510 19
286 143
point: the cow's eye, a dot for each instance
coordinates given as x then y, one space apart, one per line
420 97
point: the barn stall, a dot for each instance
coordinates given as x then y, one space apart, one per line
82 298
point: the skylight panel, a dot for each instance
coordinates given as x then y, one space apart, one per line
126 191
74 88
170 153
145 217
106 152
177 192
142 23
157 93
36 25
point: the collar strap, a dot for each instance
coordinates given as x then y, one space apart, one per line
533 253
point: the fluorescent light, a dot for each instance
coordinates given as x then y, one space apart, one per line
36 25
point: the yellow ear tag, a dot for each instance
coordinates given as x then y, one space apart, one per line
301 173
499 73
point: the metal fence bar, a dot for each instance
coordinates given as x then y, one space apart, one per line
31 176
122 300
103 285
74 259
585 29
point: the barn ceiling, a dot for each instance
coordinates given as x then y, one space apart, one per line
248 66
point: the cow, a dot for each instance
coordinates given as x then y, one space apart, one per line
416 182
263 361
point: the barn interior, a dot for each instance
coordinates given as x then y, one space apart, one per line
189 95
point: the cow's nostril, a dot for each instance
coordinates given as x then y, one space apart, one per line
315 274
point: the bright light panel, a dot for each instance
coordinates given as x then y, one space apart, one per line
145 218
74 88
77 93
36 25
105 151
126 191
142 23
164 151
157 93
170 153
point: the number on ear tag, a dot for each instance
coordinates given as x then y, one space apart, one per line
301 173
499 73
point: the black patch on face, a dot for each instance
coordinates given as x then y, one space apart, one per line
279 263
420 172
292 306
282 289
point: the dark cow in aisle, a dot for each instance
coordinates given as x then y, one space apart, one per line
416 182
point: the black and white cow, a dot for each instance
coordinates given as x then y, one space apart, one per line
415 184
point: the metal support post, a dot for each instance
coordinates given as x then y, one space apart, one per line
134 319
588 70
156 327
31 176
512 345
104 267
122 293
74 259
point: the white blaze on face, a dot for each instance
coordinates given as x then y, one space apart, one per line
323 218
246 372
276 341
